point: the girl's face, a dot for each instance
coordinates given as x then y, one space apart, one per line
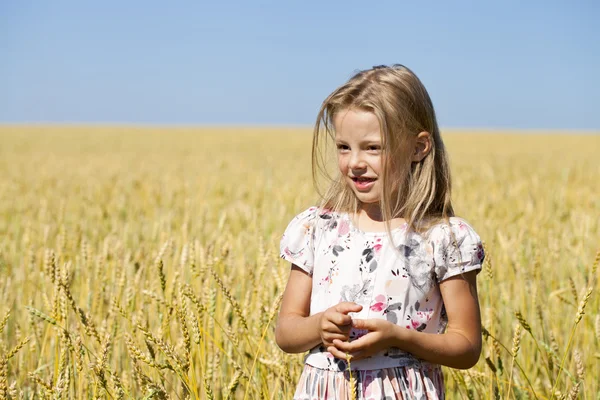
359 149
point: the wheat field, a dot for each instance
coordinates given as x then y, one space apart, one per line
143 262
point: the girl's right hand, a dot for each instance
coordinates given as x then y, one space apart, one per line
335 323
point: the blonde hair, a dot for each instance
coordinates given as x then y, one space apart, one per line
394 94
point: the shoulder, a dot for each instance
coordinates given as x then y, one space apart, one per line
457 248
302 234
313 217
305 216
316 218
312 223
455 229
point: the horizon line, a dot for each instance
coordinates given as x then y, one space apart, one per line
273 126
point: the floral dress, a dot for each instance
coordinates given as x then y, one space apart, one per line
395 280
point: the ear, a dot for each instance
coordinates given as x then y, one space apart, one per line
422 146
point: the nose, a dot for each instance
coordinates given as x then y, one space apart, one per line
357 161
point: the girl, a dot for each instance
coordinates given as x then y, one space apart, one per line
382 288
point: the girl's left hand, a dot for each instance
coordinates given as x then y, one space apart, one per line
381 335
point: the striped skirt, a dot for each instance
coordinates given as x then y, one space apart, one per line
425 382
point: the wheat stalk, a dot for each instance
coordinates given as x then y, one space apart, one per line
230 298
4 321
3 377
578 316
514 351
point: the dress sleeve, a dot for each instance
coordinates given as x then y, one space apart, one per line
297 243
457 249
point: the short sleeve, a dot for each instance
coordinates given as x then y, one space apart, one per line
297 242
457 249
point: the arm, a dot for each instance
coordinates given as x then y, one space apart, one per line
298 331
459 347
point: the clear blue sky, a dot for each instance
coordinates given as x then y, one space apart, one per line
502 64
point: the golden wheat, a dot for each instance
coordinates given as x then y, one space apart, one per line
143 263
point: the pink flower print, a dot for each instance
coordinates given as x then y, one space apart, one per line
425 316
378 307
420 321
377 248
292 254
380 303
343 228
332 272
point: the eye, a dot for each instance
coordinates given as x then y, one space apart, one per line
342 147
374 147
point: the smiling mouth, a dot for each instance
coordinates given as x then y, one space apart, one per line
363 179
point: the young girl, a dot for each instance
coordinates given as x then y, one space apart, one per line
382 289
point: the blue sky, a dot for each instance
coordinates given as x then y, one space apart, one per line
509 64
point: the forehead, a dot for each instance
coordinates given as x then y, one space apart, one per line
356 125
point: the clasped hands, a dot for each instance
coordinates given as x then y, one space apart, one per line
335 325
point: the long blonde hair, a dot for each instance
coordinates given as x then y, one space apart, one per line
394 94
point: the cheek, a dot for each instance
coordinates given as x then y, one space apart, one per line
342 163
377 165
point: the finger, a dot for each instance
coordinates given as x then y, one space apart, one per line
345 355
361 344
328 338
347 307
337 353
358 356
335 318
341 319
358 352
335 327
366 324
347 347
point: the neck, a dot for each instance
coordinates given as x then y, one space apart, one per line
373 211
370 218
